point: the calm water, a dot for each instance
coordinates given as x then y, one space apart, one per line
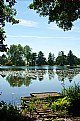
21 81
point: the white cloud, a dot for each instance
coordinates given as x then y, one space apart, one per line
39 37
27 23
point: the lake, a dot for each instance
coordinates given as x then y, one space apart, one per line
19 81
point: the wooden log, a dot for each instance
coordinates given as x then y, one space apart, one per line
43 95
46 95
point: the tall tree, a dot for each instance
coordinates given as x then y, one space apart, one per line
61 59
70 58
51 59
63 12
15 54
27 53
41 60
12 53
33 59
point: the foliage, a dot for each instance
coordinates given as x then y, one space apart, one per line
33 59
31 106
73 93
70 58
2 35
15 54
61 59
7 14
27 53
60 104
10 113
64 13
41 60
3 59
71 101
20 56
51 59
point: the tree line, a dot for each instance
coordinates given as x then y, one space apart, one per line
18 55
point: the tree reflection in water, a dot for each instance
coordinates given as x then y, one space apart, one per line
51 74
25 77
67 74
16 81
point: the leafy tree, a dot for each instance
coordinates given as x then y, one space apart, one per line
12 54
61 59
41 60
33 59
27 53
70 58
7 13
77 61
3 59
63 12
15 54
51 59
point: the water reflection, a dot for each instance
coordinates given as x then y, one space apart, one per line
16 81
17 78
51 74
67 74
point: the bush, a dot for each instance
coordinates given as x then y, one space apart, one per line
10 113
60 104
71 101
73 93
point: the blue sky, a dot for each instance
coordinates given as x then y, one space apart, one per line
35 31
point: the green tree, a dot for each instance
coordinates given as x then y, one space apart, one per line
12 54
63 12
51 59
3 59
78 61
27 53
61 59
70 58
41 60
7 14
20 55
16 54
33 59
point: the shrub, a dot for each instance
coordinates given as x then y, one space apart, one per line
71 101
73 92
60 104
10 113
